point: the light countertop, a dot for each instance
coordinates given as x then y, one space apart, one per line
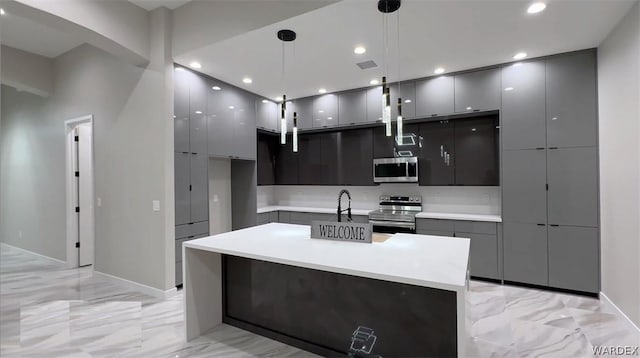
429 261
424 214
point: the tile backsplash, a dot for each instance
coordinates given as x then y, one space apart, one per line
448 199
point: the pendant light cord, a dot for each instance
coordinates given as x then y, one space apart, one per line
398 64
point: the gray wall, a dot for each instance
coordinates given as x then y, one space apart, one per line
133 146
619 91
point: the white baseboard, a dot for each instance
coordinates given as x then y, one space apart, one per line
35 254
620 312
148 290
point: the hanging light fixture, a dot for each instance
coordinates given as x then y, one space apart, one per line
295 132
400 135
386 7
399 140
285 36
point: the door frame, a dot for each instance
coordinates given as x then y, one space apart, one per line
71 217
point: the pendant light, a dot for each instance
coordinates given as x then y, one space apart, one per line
386 7
295 132
285 36
400 135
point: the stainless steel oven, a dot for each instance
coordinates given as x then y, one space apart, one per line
395 170
396 214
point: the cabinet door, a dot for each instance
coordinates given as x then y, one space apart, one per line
434 96
435 163
266 159
310 167
524 179
525 253
572 100
574 258
352 107
181 187
406 91
374 104
266 112
304 110
483 254
330 158
523 106
383 146
181 110
286 164
325 110
220 127
476 154
198 114
479 90
244 124
356 155
573 186
199 196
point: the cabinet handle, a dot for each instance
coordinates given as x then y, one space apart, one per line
441 150
553 147
554 225
539 148
540 224
185 152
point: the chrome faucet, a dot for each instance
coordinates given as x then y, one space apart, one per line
340 210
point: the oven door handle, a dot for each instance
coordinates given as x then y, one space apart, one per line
407 225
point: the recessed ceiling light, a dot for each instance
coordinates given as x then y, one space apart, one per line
519 55
359 50
473 129
329 118
215 88
247 80
536 7
438 70
279 99
231 107
195 64
2 11
321 111
198 112
509 89
322 90
407 101
265 101
374 82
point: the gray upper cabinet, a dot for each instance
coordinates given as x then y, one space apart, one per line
325 110
434 96
244 127
266 113
574 258
479 90
197 114
182 181
304 111
199 197
407 92
181 110
525 253
374 104
573 186
352 107
524 179
572 100
523 106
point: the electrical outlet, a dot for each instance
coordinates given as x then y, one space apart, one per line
156 205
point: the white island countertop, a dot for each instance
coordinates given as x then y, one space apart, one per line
307 209
422 260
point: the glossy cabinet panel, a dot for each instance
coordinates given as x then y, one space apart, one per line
311 164
524 193
266 159
476 151
286 164
266 113
525 253
304 111
199 196
574 258
406 91
523 106
197 114
325 110
181 110
182 194
244 133
374 104
434 96
352 107
356 153
436 161
479 90
383 146
572 100
220 126
483 254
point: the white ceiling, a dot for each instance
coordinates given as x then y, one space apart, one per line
30 36
454 34
154 4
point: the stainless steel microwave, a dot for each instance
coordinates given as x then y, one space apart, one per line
395 170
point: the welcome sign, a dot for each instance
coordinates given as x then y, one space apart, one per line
341 231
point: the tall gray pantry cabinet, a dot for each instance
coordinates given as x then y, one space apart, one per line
550 172
190 161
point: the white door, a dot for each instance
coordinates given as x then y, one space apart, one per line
85 195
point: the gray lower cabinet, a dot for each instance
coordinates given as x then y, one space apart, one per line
407 92
484 250
523 106
182 180
374 104
434 96
574 258
573 186
524 178
178 251
325 110
479 90
352 107
571 94
303 107
266 114
525 253
266 218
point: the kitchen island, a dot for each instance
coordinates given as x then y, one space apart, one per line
404 296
